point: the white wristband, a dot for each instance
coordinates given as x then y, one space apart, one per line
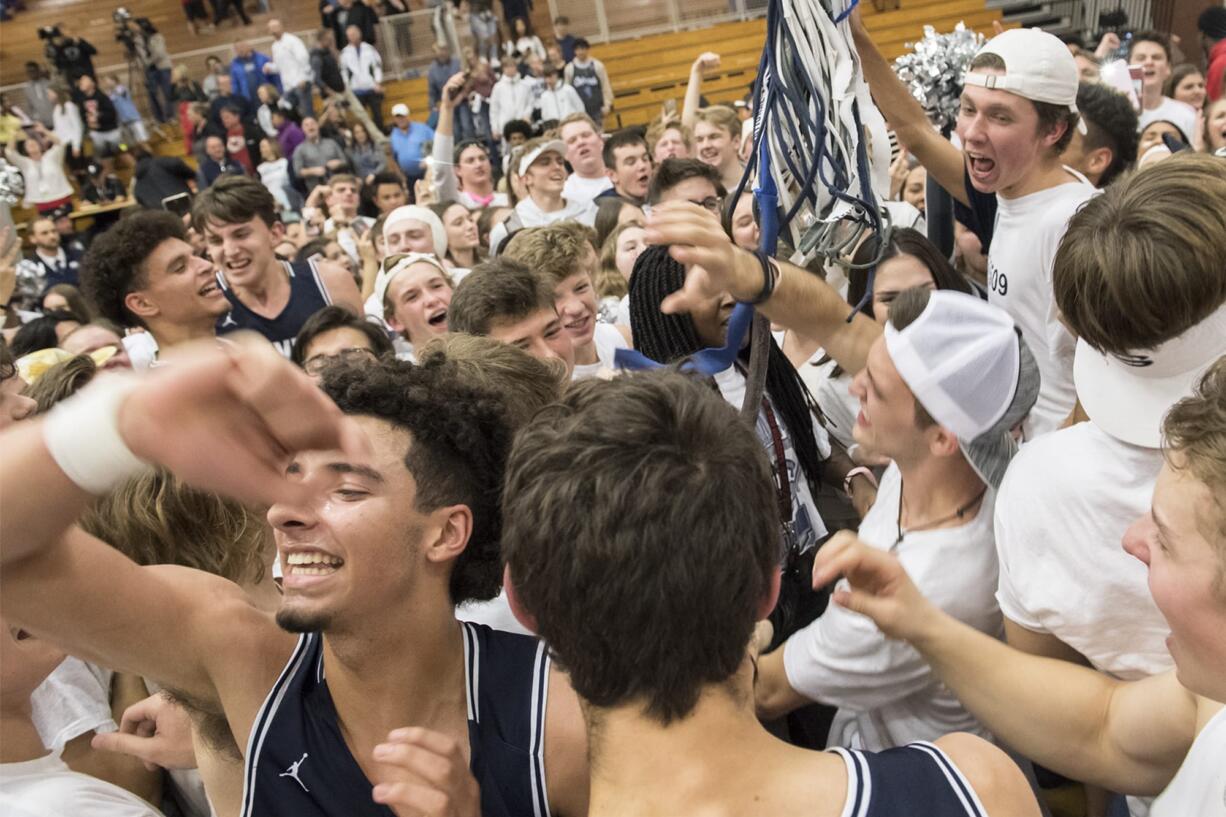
82 434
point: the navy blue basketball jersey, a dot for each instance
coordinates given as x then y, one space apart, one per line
298 765
918 780
307 295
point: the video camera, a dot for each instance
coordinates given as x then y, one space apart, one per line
121 17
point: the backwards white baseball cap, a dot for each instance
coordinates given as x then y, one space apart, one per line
555 145
967 364
415 212
1128 395
392 266
1038 67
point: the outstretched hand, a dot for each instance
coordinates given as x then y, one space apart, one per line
714 265
425 775
879 586
156 731
228 417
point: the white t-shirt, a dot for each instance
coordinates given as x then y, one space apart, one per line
71 701
529 214
1199 787
1064 505
580 189
47 788
807 523
608 340
495 613
1169 110
886 692
1028 231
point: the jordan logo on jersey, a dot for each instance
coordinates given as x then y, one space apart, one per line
292 771
229 321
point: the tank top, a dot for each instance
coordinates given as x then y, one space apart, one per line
587 83
298 765
307 295
916 780
1199 787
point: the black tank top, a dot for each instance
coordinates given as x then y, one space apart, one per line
307 295
916 780
298 765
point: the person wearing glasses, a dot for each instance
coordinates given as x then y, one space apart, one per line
335 334
688 180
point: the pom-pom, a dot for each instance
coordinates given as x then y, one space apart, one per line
12 186
933 71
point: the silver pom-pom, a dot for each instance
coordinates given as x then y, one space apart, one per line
12 186
933 71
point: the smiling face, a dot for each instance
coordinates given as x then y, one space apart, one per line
244 251
356 548
714 145
895 275
461 228
1215 125
1191 90
546 176
914 188
1180 542
575 299
180 288
473 170
631 173
583 148
419 297
1000 136
540 335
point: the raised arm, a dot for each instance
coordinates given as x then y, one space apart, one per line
801 301
443 180
1127 737
707 61
936 153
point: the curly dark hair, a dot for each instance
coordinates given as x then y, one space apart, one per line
114 265
461 439
1110 123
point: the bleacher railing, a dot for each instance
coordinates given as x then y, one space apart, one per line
605 21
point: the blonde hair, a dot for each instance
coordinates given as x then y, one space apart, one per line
720 116
655 132
610 283
555 252
525 383
156 519
61 381
1194 433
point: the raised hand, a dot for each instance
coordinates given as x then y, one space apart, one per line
707 61
714 265
156 731
425 775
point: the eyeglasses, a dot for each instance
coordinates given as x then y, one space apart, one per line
357 354
712 203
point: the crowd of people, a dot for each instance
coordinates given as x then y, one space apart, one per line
487 463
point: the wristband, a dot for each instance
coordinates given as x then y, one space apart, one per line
858 471
770 278
82 435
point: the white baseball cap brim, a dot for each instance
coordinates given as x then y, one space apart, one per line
1127 396
400 110
555 145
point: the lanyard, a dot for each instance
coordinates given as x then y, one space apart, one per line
783 484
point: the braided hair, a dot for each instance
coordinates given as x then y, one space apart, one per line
670 338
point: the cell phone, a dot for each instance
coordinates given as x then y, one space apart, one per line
180 204
670 107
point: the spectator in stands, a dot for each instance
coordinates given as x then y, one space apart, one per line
1109 145
464 249
335 333
589 77
510 99
66 120
216 163
100 187
484 26
1212 26
185 91
47 188
523 42
132 127
213 68
152 47
388 192
442 68
198 119
669 140
221 11
142 273
194 11
553 56
289 135
505 300
462 172
1186 84
1152 51
227 96
628 164
317 157
408 140
411 295
293 64
717 141
242 139
584 152
542 168
273 171
73 57
55 260
366 158
158 178
347 13
38 104
563 37
249 70
100 118
557 100
270 100
324 65
1215 126
363 70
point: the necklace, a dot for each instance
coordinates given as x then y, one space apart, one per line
958 514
